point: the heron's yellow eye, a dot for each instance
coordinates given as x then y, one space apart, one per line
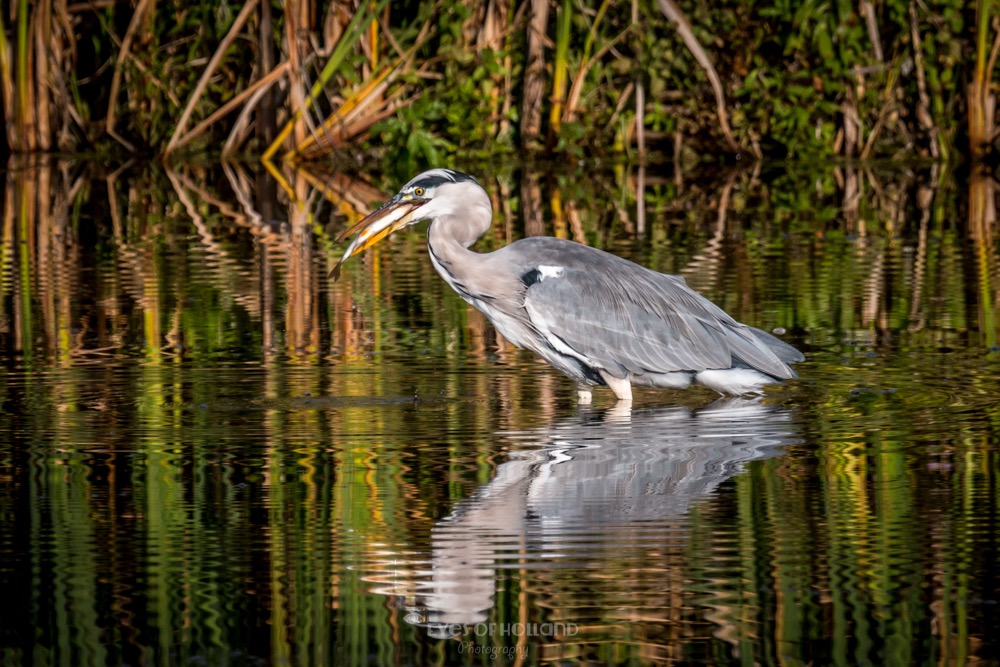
418 191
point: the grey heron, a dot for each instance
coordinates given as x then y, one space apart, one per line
596 317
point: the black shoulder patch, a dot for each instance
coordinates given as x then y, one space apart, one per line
531 277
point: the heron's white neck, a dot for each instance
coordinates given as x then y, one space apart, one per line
460 231
448 239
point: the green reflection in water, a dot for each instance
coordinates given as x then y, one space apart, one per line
211 454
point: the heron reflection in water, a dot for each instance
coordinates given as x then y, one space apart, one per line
596 492
598 318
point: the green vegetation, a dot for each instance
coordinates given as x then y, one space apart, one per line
415 82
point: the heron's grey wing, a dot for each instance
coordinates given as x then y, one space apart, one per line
632 319
781 349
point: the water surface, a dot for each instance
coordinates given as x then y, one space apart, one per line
211 454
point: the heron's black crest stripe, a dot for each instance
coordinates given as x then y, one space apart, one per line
440 176
531 277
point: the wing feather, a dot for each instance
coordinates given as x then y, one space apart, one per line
626 317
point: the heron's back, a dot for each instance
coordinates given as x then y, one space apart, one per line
595 309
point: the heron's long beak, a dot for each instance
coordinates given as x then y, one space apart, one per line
390 217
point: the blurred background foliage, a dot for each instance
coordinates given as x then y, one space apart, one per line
414 82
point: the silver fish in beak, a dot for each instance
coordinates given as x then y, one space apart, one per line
392 216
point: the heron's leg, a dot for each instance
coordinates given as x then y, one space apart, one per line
621 412
621 386
584 395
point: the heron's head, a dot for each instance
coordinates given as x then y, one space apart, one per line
430 195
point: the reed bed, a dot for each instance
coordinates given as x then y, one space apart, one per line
413 83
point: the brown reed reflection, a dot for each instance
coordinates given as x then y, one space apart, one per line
261 246
982 224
